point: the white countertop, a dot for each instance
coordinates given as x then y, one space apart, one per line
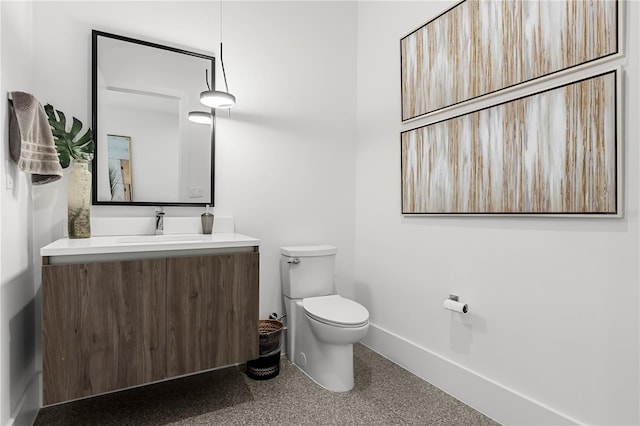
146 243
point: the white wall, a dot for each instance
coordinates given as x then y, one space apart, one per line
19 308
285 159
552 335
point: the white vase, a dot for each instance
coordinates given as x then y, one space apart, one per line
79 200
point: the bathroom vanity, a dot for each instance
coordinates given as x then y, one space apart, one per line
124 311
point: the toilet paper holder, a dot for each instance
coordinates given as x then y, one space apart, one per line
453 304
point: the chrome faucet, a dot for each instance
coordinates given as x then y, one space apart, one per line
159 221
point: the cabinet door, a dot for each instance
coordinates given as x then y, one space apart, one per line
212 311
103 327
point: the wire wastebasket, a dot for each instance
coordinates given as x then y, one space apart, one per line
267 366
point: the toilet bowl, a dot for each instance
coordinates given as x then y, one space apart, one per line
322 326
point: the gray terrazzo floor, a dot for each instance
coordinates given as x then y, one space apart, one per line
385 394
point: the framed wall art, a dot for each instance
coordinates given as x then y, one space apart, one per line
477 48
555 152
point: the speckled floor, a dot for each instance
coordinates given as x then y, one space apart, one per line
385 394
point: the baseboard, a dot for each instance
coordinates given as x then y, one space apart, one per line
504 405
27 410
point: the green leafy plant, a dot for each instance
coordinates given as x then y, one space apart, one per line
115 179
68 144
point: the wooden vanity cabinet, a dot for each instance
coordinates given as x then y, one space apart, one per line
212 311
117 324
103 327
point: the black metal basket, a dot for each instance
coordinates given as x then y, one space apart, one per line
265 367
269 332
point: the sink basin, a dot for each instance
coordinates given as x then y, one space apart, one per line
161 238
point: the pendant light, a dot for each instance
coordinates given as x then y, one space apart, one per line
200 117
218 98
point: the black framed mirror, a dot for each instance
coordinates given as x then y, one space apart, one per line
147 152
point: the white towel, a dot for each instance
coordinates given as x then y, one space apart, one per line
31 143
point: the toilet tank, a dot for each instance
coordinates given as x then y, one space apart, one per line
307 271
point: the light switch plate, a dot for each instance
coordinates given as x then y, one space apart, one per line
8 176
196 192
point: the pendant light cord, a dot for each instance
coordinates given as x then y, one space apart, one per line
224 74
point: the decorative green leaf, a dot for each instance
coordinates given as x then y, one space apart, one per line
68 144
76 126
64 158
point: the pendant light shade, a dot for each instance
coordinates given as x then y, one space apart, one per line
217 99
200 117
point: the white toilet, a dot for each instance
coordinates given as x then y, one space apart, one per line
322 326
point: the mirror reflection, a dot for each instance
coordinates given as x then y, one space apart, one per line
119 155
147 151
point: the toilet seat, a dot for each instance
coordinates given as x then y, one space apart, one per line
335 310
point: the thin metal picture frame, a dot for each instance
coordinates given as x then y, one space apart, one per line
406 117
615 128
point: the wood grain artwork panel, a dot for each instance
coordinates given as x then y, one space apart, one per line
553 152
212 315
479 47
103 327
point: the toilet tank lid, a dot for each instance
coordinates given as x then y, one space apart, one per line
308 251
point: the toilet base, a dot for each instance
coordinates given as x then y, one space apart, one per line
330 366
